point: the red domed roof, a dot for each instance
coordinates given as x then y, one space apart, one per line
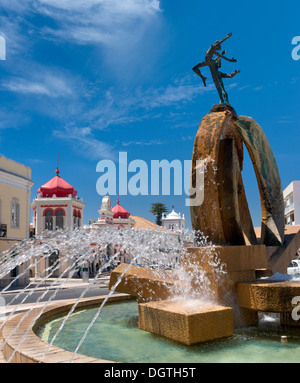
57 186
119 211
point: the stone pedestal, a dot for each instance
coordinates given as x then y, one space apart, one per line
268 296
186 324
234 258
223 214
143 283
239 263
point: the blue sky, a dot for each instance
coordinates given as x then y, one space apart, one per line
92 78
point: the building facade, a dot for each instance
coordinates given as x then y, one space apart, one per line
173 221
117 216
57 206
15 189
291 196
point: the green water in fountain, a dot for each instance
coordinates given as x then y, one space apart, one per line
115 336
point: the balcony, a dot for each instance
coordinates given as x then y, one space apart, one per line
289 208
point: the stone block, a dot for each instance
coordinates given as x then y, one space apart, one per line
143 283
268 296
186 322
235 258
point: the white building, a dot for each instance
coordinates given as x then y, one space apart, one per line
173 221
291 196
117 215
57 206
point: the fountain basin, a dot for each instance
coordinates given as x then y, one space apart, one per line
33 348
116 336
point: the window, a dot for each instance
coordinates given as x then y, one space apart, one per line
49 220
15 213
76 219
293 218
3 227
59 219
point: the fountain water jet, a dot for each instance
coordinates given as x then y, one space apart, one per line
80 243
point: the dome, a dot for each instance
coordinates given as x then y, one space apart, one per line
119 211
57 186
173 215
106 204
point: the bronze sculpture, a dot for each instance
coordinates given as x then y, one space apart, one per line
223 215
214 63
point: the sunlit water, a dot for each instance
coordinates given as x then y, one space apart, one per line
158 249
115 336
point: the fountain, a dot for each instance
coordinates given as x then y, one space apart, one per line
223 216
141 246
208 292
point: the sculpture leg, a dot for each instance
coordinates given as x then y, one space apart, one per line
220 88
220 95
221 91
225 96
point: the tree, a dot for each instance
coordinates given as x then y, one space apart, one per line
158 209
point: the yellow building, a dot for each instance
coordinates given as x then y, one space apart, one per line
15 187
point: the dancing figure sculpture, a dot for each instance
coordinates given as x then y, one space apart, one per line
214 64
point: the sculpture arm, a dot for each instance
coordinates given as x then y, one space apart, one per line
226 38
224 75
225 58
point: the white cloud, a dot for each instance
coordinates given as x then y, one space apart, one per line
47 84
83 141
119 22
125 108
97 21
11 118
124 32
175 94
258 88
131 7
16 42
144 142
